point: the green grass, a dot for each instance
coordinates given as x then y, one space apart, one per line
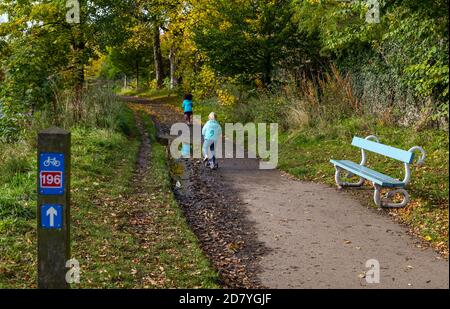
104 207
126 123
103 167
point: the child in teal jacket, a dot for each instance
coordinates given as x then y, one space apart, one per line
187 108
211 133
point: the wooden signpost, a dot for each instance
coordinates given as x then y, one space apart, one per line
53 207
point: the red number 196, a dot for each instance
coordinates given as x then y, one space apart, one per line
51 179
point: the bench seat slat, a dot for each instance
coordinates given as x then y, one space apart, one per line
369 174
388 151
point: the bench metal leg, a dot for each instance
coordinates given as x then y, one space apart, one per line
342 184
386 203
403 203
377 195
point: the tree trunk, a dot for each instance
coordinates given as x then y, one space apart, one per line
125 82
173 68
158 58
79 83
137 75
78 46
268 68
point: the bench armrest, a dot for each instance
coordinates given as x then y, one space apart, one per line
420 162
423 157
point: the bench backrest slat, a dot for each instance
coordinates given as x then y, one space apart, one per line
385 150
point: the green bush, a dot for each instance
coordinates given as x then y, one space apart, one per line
399 67
125 122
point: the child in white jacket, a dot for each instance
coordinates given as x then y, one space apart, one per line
211 133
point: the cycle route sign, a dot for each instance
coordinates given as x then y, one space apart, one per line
51 173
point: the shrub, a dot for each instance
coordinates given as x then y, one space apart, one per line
125 122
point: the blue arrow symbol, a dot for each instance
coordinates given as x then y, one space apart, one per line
52 212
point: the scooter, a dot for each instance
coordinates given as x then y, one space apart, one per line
211 163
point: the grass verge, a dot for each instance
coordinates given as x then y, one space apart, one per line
94 152
121 239
178 252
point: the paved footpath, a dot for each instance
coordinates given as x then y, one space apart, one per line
322 238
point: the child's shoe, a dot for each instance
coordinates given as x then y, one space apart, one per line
213 164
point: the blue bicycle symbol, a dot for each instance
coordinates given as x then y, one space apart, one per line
51 161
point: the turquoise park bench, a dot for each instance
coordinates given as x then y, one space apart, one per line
379 180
